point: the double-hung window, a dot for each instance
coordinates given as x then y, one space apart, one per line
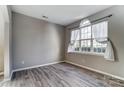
86 38
90 38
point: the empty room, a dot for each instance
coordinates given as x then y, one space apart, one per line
61 46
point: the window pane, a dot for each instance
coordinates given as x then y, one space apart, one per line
86 32
86 45
98 47
75 35
76 45
85 22
100 30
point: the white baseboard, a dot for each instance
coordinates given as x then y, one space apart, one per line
95 70
36 66
20 69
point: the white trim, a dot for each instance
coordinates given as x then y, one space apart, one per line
95 70
11 75
36 66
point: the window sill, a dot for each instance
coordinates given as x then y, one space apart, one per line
87 53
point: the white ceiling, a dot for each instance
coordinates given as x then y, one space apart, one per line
62 15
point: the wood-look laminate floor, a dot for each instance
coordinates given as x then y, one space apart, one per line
59 75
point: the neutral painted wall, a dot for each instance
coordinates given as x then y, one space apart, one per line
116 34
10 40
36 42
1 42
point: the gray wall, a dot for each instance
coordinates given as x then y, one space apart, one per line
116 34
10 40
36 42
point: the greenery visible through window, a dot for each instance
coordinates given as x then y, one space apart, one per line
84 39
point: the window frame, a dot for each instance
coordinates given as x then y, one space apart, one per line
91 52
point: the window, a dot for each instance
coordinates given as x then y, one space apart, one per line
86 39
100 34
75 37
90 38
